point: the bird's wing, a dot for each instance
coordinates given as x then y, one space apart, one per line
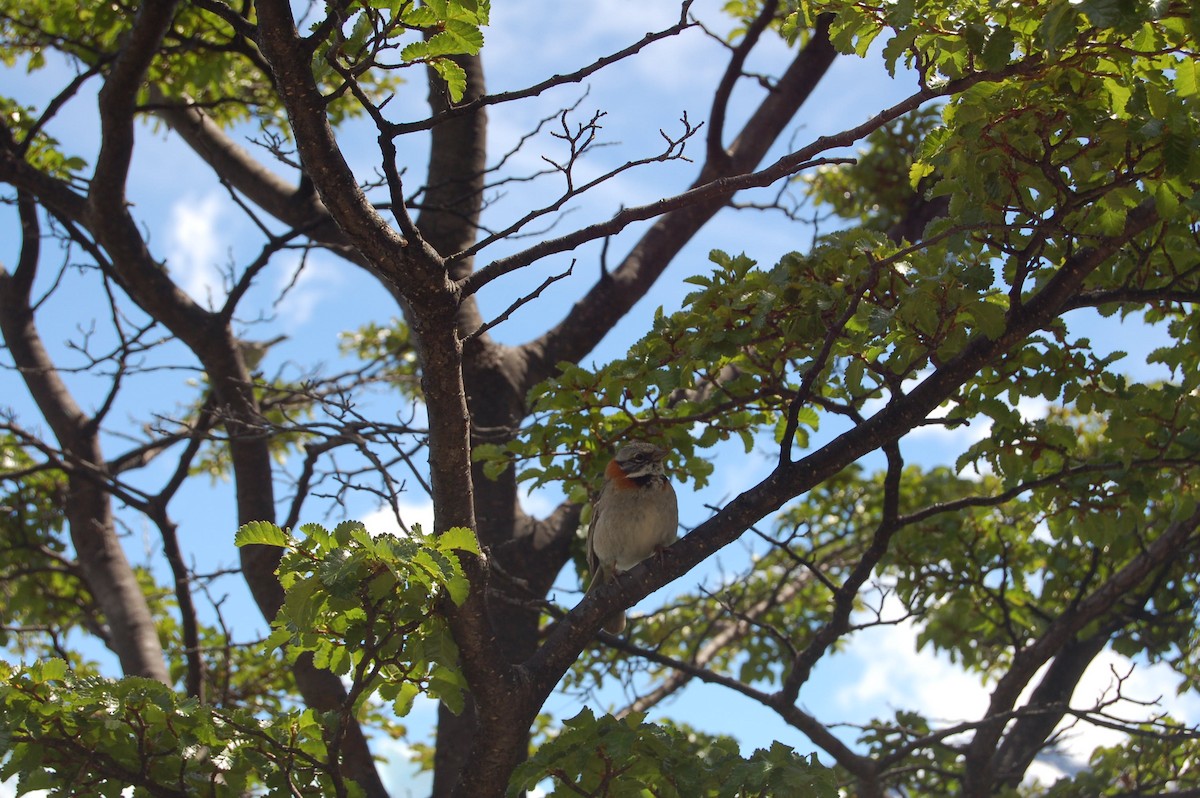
592 561
592 527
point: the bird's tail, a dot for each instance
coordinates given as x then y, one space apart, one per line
615 624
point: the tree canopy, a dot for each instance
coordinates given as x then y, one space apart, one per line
1040 169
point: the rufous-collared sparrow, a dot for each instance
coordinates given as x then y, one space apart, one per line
635 515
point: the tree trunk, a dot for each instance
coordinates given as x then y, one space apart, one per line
109 577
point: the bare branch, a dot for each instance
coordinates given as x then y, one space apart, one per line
539 88
520 302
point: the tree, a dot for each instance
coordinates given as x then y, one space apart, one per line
1043 165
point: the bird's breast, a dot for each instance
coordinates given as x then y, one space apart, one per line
635 522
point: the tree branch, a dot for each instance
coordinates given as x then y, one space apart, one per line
118 103
388 253
106 570
716 152
1058 635
482 101
900 415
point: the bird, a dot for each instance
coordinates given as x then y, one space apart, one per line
635 515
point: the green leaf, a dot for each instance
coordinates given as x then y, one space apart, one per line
1165 201
1102 13
897 46
260 532
405 698
459 537
1112 220
449 687
998 50
917 172
458 587
1058 26
1177 153
317 535
1187 76
1118 94
455 77
50 670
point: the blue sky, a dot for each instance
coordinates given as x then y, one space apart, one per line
198 231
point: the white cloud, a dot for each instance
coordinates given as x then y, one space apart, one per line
8 789
541 502
194 247
947 442
383 520
416 510
317 279
399 771
894 674
1144 689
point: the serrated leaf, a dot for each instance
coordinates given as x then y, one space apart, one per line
345 531
405 697
464 37
1165 201
809 417
449 691
897 46
455 77
51 669
1177 153
998 50
1058 26
317 534
1101 13
419 16
1112 220
917 172
261 533
414 51
1118 94
278 638
459 537
1187 77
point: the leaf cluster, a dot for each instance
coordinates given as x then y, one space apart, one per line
356 48
366 607
1162 761
392 345
73 735
875 191
607 756
828 331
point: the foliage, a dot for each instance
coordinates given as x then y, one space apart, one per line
366 607
392 345
96 736
885 164
1044 171
627 756
1158 762
211 60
